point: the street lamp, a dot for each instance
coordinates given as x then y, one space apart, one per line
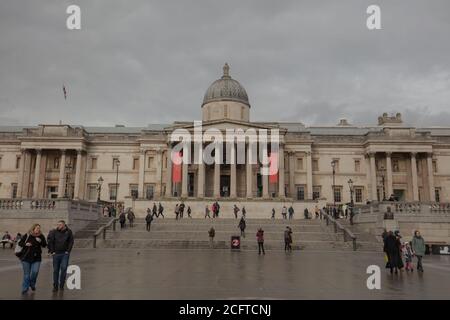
117 183
382 175
350 185
68 169
99 187
333 166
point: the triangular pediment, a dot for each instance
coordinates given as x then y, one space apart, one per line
224 124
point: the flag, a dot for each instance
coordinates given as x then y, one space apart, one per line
273 167
65 92
176 167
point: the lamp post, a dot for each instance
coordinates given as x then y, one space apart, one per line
68 169
333 166
99 188
382 175
350 185
117 184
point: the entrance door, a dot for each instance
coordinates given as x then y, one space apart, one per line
399 194
224 186
190 184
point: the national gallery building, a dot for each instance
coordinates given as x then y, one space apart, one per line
384 158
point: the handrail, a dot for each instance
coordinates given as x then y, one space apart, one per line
103 229
337 225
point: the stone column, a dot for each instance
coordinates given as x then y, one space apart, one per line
291 175
201 180
184 180
390 190
281 192
76 189
373 176
62 173
169 172
309 178
37 172
20 182
233 181
430 176
249 173
159 166
142 155
216 180
415 188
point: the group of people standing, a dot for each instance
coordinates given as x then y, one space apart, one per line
29 250
396 250
179 211
124 216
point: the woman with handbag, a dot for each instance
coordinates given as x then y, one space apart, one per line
30 255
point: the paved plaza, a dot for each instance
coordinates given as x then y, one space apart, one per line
222 274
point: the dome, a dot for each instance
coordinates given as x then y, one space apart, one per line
226 89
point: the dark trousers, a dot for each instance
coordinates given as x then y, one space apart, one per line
148 226
60 264
261 247
419 263
287 246
243 233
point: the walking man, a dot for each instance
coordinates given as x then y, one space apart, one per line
244 212
288 239
148 220
242 226
130 217
284 212
291 212
160 210
211 234
60 243
235 211
260 239
273 214
154 210
207 212
189 212
418 246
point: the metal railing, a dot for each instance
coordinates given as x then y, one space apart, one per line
338 227
102 230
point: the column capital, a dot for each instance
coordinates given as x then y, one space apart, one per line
413 154
142 151
308 153
371 154
38 150
430 154
63 151
79 151
388 154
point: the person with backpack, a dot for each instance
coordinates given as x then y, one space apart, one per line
60 242
131 217
242 226
235 211
260 240
29 251
212 234
122 220
160 210
148 221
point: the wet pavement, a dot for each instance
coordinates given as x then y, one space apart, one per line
222 274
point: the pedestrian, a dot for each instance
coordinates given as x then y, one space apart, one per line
6 239
177 211
207 212
244 212
155 211
260 240
217 209
213 209
17 238
181 210
122 220
189 212
392 250
284 212
273 214
291 212
335 213
60 243
160 210
306 213
288 239
408 255
418 247
212 234
242 225
31 256
148 220
322 211
235 211
130 217
316 211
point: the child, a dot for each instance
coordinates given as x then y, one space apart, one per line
408 254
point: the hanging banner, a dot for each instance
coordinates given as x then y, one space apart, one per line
273 169
176 167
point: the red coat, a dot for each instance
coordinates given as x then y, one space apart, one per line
260 236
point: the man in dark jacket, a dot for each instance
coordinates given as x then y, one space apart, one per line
60 243
148 220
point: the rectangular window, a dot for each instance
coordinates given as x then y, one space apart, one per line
437 194
92 192
316 192
52 192
150 162
113 191
18 162
13 190
337 194
357 166
315 165
435 168
299 163
149 191
359 194
93 163
134 193
300 192
135 163
114 163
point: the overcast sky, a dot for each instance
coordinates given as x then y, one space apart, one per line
140 62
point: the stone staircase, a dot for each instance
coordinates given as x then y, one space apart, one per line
193 234
84 237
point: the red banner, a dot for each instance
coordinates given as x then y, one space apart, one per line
273 168
176 167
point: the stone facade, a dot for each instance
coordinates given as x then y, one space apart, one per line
60 161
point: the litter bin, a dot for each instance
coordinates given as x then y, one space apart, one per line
235 242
